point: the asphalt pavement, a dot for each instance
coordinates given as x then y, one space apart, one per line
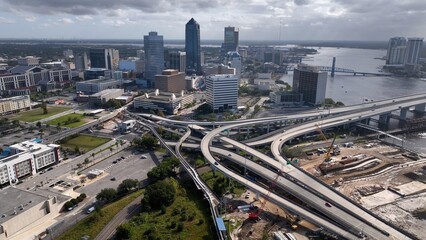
132 166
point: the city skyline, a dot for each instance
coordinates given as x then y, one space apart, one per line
257 20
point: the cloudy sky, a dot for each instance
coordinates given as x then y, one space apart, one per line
257 19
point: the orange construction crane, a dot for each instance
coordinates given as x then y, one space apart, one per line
255 214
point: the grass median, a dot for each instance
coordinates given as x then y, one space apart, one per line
71 120
83 142
37 114
94 223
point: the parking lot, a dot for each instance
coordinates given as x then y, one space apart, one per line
124 165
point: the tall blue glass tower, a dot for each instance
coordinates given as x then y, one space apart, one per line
192 48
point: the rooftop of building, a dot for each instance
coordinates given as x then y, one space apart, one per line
222 76
169 72
99 80
307 68
160 96
31 146
14 98
24 69
97 69
108 91
17 200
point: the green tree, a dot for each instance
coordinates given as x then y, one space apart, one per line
127 185
147 142
158 194
295 152
44 107
15 122
164 169
38 124
107 194
86 161
203 110
122 233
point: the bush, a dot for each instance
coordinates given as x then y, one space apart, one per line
191 217
173 224
74 201
68 204
180 227
83 195
163 209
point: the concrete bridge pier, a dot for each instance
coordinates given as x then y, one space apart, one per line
384 119
420 108
366 121
403 114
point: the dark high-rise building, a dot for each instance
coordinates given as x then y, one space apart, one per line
192 47
154 54
230 43
101 58
311 82
81 62
176 60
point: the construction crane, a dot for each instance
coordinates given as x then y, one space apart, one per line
255 214
327 155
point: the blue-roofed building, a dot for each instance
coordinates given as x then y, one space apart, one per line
220 224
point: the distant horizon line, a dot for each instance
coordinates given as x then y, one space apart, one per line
212 40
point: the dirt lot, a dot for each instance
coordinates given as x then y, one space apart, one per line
393 187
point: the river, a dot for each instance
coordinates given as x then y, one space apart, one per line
353 89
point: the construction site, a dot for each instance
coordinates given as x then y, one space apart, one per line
386 179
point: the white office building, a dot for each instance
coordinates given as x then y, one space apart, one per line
394 43
97 85
233 60
222 91
25 159
412 53
15 104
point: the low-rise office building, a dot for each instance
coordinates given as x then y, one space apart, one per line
25 159
97 85
169 103
22 80
286 98
21 208
104 96
15 104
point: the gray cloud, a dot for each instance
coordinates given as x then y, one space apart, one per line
299 19
93 7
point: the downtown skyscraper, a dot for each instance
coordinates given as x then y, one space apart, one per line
154 55
193 48
231 38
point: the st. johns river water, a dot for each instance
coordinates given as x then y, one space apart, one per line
353 89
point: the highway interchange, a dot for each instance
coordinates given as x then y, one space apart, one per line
344 218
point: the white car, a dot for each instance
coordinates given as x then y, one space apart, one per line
144 157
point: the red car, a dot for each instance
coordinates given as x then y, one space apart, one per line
327 204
